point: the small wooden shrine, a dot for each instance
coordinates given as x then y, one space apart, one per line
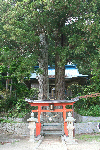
52 104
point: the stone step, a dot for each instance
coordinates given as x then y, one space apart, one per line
52 128
53 132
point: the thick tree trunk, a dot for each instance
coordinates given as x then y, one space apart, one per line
43 78
59 74
59 79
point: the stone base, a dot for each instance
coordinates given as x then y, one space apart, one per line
68 140
38 138
31 140
37 141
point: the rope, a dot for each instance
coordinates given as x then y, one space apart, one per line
85 96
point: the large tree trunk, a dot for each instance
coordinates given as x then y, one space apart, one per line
59 79
43 65
59 74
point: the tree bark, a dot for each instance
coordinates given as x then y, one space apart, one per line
59 79
43 65
7 82
11 87
59 74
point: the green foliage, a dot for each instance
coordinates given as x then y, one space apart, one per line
89 106
14 108
15 105
21 24
6 121
21 90
19 66
20 109
76 89
33 93
68 107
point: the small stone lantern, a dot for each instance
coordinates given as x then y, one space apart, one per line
70 128
32 125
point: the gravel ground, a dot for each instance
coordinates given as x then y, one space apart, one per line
49 143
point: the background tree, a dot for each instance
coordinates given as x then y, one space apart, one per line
25 25
72 36
68 30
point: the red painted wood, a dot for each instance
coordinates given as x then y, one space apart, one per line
47 104
38 125
35 110
65 128
65 123
56 110
39 113
38 129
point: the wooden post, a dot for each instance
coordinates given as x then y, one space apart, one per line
38 125
65 123
73 122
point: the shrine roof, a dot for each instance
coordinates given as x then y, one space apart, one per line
70 72
52 101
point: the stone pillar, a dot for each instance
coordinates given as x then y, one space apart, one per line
98 126
70 128
32 125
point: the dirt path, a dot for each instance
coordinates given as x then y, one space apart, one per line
52 143
48 143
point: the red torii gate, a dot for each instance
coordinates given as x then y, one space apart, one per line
52 103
